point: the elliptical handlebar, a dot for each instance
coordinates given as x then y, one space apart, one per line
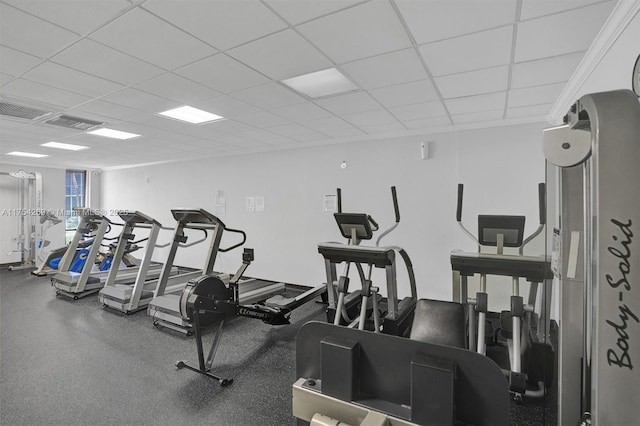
459 209
542 212
396 210
542 202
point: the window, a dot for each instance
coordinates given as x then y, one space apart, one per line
75 196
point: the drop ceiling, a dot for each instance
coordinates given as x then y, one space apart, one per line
420 67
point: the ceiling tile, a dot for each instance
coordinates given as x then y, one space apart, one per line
427 123
436 20
10 123
227 106
486 102
310 137
69 79
222 73
480 50
272 55
268 96
370 118
466 84
227 23
27 33
30 90
173 130
544 71
5 78
94 58
383 128
349 104
144 36
227 127
418 111
276 140
301 112
365 30
140 100
473 117
536 8
291 130
298 11
535 95
406 94
109 109
16 63
262 119
530 111
326 124
176 88
343 133
385 70
78 16
40 131
562 33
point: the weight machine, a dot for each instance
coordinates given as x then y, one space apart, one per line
45 260
596 258
30 200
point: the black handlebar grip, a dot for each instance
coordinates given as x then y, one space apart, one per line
459 210
542 202
395 203
339 195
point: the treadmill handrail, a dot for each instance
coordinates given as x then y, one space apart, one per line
236 231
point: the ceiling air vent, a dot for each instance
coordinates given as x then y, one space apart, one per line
74 122
20 111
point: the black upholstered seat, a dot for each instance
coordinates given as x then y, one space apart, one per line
439 322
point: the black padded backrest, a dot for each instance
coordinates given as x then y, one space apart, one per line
439 322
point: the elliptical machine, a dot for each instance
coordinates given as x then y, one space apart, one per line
365 308
526 331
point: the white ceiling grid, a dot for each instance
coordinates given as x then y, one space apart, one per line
420 67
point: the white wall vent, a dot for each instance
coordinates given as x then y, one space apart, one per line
20 111
74 122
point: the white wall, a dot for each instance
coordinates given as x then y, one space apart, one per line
500 168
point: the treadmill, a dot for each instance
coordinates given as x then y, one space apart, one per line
80 284
164 308
92 278
134 296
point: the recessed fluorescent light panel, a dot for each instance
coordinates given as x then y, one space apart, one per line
26 154
191 115
321 83
115 134
67 146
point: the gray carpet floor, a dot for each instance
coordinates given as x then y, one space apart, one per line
65 362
